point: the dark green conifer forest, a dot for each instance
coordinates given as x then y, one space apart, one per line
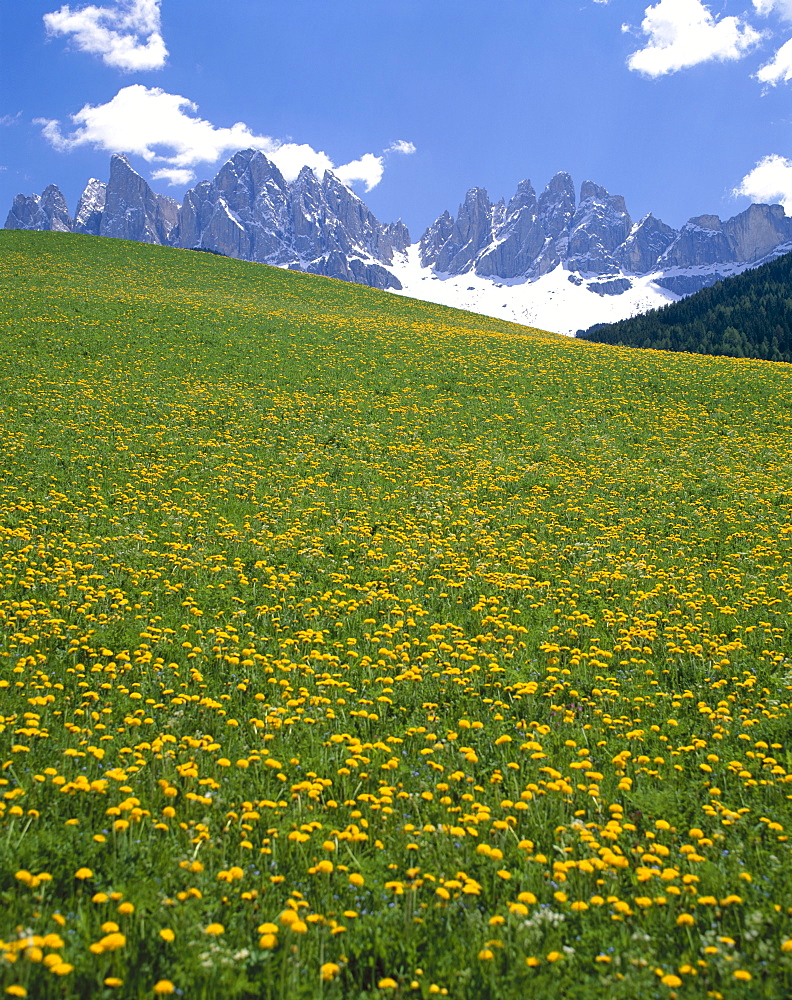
747 316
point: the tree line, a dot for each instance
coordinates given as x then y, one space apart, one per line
745 316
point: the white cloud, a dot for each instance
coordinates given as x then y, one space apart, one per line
127 36
770 182
368 169
782 7
779 69
683 33
401 146
174 175
164 130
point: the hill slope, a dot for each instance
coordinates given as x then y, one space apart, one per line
356 647
745 316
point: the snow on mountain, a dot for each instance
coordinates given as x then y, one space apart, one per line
560 300
557 300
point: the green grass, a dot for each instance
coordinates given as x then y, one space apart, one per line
454 651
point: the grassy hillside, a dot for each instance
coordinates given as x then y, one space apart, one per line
746 316
356 647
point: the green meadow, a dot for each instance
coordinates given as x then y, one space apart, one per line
354 647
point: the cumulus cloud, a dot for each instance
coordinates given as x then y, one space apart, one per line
368 169
779 69
165 130
769 182
127 35
684 33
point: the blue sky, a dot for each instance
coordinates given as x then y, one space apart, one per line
674 105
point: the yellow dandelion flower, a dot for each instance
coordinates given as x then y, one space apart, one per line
112 942
328 971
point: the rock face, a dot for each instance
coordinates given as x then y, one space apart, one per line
596 237
700 241
529 236
241 213
598 228
532 236
520 237
647 242
556 208
470 234
757 231
88 219
249 211
132 211
47 211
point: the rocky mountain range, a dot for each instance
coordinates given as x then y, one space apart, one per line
526 256
594 237
248 211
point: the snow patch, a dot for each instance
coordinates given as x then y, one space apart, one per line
549 302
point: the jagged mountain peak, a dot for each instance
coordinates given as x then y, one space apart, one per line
594 193
88 217
524 195
560 183
306 179
590 190
556 207
648 240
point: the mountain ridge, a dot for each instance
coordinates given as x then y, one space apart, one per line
611 266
